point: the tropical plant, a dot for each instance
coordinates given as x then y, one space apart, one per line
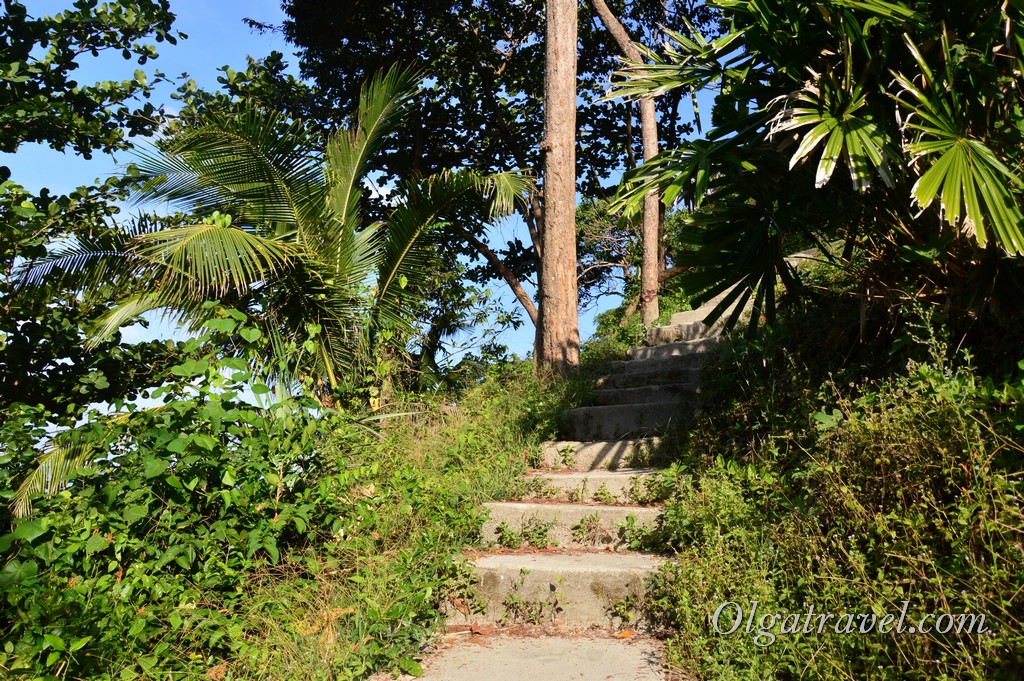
284 235
893 128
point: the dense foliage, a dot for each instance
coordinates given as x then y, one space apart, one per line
804 483
208 535
891 130
286 494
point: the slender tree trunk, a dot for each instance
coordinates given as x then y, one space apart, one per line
650 263
558 336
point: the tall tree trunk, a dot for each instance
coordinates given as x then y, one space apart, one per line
558 335
650 263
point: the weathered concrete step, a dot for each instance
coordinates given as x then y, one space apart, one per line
539 655
625 485
577 589
684 379
639 394
564 525
686 347
681 331
588 456
674 363
619 420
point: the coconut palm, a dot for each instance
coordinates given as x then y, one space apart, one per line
285 238
894 127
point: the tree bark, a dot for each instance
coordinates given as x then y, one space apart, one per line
558 338
650 262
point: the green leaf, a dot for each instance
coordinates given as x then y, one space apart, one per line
250 334
54 642
135 513
410 666
228 479
29 530
153 466
79 643
96 542
222 325
205 441
192 367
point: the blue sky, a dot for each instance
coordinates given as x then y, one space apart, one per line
217 37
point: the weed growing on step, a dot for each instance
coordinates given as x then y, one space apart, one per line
588 530
568 455
536 532
507 536
533 488
519 609
604 496
627 609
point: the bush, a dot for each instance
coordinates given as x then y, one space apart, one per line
210 538
848 497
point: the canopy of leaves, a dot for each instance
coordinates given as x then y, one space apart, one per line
895 127
42 101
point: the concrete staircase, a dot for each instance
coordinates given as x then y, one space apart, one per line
559 553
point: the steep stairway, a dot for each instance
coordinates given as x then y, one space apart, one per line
560 550
558 554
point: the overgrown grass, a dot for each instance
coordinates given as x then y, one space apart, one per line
231 562
831 481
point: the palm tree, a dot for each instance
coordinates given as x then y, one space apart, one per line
286 238
894 127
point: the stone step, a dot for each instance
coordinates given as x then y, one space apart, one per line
589 456
681 331
537 654
680 348
685 379
640 394
622 486
562 524
612 422
671 364
575 590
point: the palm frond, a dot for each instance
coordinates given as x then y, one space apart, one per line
384 102
210 260
257 164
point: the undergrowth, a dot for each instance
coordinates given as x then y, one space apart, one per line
263 544
832 483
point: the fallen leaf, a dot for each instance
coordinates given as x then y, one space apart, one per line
625 634
482 630
460 605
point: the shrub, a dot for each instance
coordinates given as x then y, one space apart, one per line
848 497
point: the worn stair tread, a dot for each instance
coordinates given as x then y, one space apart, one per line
570 562
551 507
618 486
564 524
684 379
597 454
694 347
577 589
542 656
597 474
640 394
619 420
682 329
683 362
